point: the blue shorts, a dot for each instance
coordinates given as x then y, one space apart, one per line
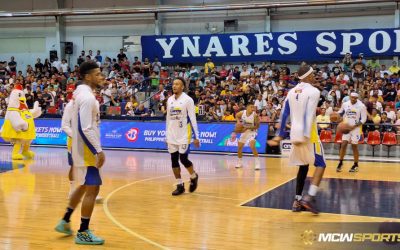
70 161
319 155
88 176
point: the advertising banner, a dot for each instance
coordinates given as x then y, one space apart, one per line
218 137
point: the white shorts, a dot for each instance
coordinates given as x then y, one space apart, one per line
248 135
183 149
89 176
353 137
307 154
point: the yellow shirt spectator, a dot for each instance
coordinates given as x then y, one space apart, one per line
209 66
394 68
228 118
323 119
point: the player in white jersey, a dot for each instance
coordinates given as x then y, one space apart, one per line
181 120
354 113
87 153
300 106
250 121
66 127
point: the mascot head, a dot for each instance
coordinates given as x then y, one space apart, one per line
17 98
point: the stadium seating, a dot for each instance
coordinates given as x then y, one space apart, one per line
374 138
389 140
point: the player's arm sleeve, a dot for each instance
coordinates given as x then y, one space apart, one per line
364 115
85 127
66 120
167 117
284 118
256 122
341 110
238 116
311 108
192 118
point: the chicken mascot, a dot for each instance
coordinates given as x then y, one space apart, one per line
19 127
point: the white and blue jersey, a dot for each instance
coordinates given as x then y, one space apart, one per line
86 140
300 107
181 120
67 128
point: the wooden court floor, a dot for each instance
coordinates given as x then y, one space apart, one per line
139 212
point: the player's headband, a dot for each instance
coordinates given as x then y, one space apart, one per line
306 74
354 94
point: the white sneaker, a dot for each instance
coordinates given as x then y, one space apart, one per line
257 165
99 199
239 164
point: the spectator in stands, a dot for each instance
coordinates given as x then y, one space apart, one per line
386 123
211 114
394 68
347 62
121 55
99 57
336 69
156 66
142 111
146 68
323 120
228 116
3 70
56 64
137 65
81 58
384 70
373 65
38 66
359 70
389 93
208 66
12 66
264 117
260 103
64 68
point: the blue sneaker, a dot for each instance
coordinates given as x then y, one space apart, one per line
88 238
64 227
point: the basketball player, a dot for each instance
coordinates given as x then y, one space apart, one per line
181 119
354 113
66 127
250 121
300 106
87 154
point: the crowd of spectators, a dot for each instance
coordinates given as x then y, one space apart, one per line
219 92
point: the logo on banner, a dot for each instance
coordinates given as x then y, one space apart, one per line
132 134
113 135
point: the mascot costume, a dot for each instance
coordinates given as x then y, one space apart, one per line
19 127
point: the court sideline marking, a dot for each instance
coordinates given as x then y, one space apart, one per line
111 217
116 222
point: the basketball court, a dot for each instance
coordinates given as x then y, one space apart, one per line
232 208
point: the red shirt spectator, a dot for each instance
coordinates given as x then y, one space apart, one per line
70 90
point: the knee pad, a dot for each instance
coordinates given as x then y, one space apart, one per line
175 160
185 161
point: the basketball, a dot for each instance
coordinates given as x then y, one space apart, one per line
334 117
344 128
239 128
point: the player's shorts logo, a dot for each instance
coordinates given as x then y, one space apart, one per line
132 134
